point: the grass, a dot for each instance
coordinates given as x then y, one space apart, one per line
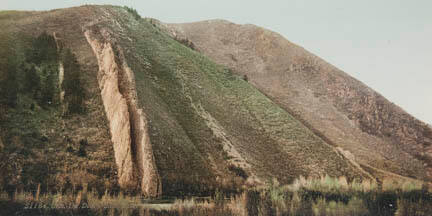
179 90
319 197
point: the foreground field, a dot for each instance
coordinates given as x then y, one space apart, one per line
325 196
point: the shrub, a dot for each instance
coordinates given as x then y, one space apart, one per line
252 202
81 151
381 203
133 12
238 171
245 78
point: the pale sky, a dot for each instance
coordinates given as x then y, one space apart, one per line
386 44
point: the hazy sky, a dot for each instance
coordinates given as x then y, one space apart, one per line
386 44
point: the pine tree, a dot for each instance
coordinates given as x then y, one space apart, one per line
44 49
49 88
74 93
8 71
10 85
31 80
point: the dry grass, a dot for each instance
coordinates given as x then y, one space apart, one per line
324 196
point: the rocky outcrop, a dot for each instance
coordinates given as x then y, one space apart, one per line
128 124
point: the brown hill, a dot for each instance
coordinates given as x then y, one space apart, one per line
338 108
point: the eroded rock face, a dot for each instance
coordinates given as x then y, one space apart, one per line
128 124
150 179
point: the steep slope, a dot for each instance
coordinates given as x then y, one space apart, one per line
224 124
160 118
41 145
128 124
338 108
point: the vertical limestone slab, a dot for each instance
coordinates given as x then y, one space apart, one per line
116 110
128 124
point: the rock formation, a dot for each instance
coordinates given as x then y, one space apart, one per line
128 124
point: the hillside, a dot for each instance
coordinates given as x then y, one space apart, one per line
96 96
338 108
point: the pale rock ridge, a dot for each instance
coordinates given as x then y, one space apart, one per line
115 109
128 124
150 179
61 68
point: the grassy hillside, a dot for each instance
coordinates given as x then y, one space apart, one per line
335 106
196 107
209 128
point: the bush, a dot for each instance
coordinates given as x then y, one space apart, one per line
381 203
238 171
252 202
245 78
133 12
81 151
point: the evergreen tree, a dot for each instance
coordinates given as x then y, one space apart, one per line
49 88
74 93
31 80
10 85
8 70
44 49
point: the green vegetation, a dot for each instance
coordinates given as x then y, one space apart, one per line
29 71
9 85
32 124
133 11
43 50
8 66
36 75
74 91
32 81
190 100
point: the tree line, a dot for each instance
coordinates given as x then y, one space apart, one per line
34 72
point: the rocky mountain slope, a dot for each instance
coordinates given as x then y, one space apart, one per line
341 110
167 109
